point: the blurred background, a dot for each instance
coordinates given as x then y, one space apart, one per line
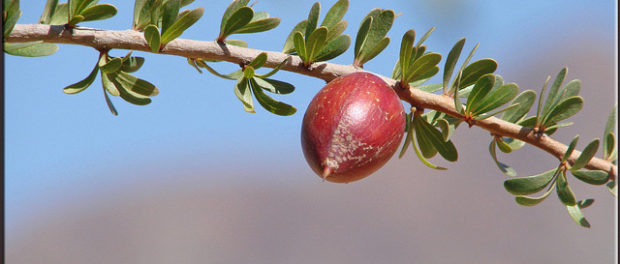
192 178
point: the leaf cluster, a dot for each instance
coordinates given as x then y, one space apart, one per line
240 18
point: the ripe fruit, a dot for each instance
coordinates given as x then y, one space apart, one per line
352 127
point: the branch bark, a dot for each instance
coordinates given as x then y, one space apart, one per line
133 40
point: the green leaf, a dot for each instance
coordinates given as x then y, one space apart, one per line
108 85
572 88
181 24
451 60
421 66
570 149
525 100
186 2
105 94
554 96
334 48
259 61
565 109
11 14
151 34
382 21
497 98
612 186
259 25
362 33
289 46
136 85
406 50
230 10
276 107
192 62
231 76
585 203
424 37
111 66
408 137
609 146
531 201
248 72
83 84
430 134
60 16
236 42
430 88
132 64
98 12
124 89
274 86
244 93
170 14
445 127
610 125
458 106
30 49
315 43
503 146
471 54
586 155
474 71
608 135
503 167
421 155
275 69
594 177
577 216
313 19
539 108
141 16
335 13
48 11
564 191
482 87
300 46
378 48
529 184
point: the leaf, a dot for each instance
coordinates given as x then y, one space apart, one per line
451 60
315 43
334 48
132 64
192 62
594 177
108 85
482 87
406 48
83 84
107 98
230 10
577 216
259 25
525 100
531 201
61 15
289 46
585 203
553 96
586 155
300 46
408 137
48 11
608 134
236 42
141 16
503 167
313 19
181 24
153 39
570 149
231 76
430 88
564 191
274 86
111 66
474 71
565 109
244 93
274 106
609 146
335 13
421 66
274 70
458 106
98 12
503 146
378 48
137 85
572 88
259 61
421 155
30 49
445 148
471 54
170 14
127 94
539 108
612 186
362 33
424 37
529 184
497 98
382 21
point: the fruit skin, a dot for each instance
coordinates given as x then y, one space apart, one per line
352 127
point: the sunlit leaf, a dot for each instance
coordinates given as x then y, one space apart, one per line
334 48
497 98
48 11
480 90
271 105
30 49
570 149
108 85
236 42
335 13
472 72
564 191
382 21
315 43
274 70
107 98
83 84
132 64
259 61
98 12
111 66
181 24
577 216
553 96
300 46
612 186
137 85
244 93
274 86
259 25
289 46
313 19
230 10
586 155
451 60
60 16
153 39
525 100
170 13
429 133
563 110
594 177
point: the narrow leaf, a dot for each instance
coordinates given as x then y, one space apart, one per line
570 149
497 98
289 46
554 96
276 69
300 46
362 33
132 64
313 19
274 106
577 216
83 84
98 12
531 201
594 177
170 14
259 61
565 109
137 85
564 191
230 10
259 25
335 13
474 71
108 85
274 86
529 184
503 167
48 11
451 60
111 66
315 43
181 24
586 155
244 93
153 39
334 48
107 98
30 49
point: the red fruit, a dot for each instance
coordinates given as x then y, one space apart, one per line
352 127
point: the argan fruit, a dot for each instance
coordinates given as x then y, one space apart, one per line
352 127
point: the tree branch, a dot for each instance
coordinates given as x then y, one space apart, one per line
133 40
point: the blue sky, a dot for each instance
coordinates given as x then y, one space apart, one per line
65 148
